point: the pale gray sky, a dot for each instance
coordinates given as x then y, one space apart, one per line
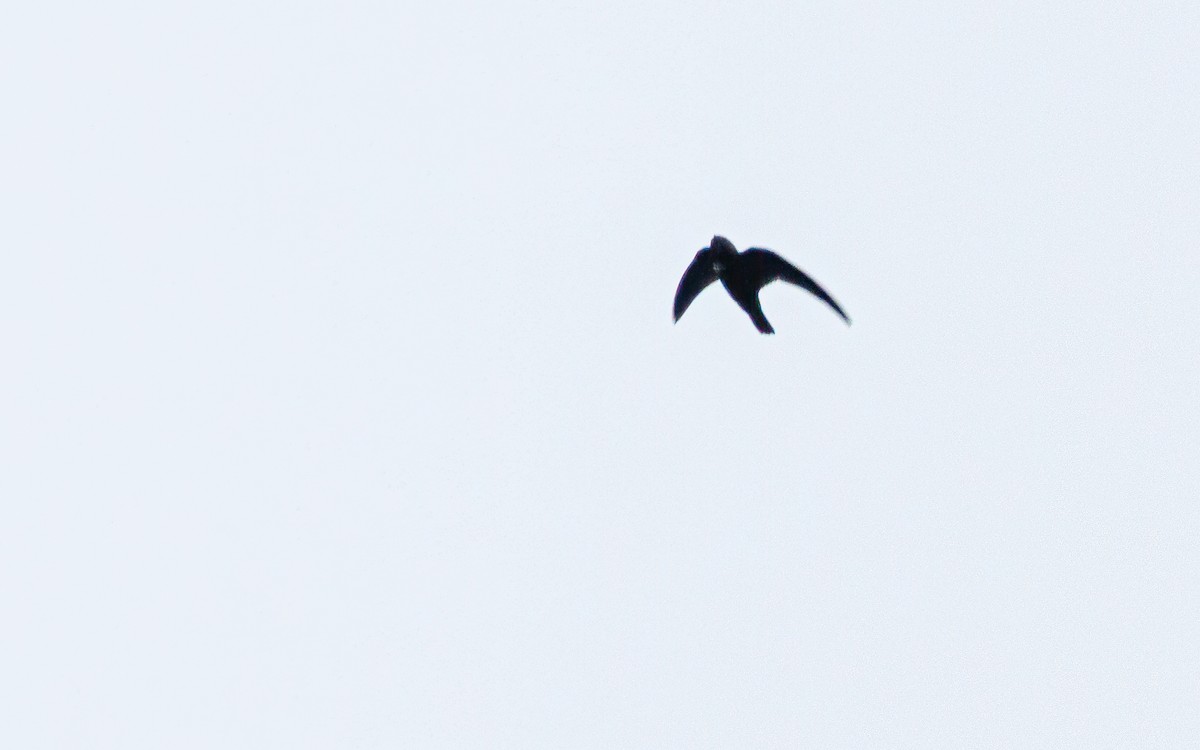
343 406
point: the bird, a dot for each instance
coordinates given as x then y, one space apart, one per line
743 275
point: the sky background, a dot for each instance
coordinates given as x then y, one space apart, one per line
342 405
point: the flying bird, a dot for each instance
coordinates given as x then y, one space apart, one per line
743 275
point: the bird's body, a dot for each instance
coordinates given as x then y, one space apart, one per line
743 275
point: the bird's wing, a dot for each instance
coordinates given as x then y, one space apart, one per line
697 276
768 267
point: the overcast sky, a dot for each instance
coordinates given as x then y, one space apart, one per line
342 406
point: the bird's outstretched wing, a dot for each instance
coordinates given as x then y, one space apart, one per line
697 276
768 267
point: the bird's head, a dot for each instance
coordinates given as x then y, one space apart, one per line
722 252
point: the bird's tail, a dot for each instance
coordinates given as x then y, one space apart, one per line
760 321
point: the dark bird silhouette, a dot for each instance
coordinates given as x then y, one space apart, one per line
743 275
